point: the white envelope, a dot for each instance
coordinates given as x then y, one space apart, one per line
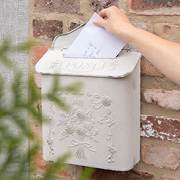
95 42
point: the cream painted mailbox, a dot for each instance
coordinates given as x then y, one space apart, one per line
102 129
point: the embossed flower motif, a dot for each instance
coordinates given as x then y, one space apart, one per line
81 131
80 115
106 101
69 128
92 135
88 125
94 132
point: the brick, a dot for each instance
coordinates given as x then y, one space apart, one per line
161 128
160 157
164 99
72 172
47 29
40 164
64 174
74 24
57 6
148 69
38 52
128 175
98 5
167 31
169 178
154 7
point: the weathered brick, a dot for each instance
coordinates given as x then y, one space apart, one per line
160 157
47 29
169 178
74 24
98 5
40 163
165 99
161 128
154 7
167 31
128 175
72 172
148 69
57 6
64 174
38 52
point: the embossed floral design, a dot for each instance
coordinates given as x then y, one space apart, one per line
50 143
80 150
79 125
81 131
106 101
69 128
50 140
112 151
80 115
98 102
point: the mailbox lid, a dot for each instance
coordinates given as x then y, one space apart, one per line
53 62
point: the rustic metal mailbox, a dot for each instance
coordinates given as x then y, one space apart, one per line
102 129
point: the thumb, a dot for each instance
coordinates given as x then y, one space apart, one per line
99 22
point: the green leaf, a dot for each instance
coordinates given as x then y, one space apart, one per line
86 173
25 46
56 167
73 88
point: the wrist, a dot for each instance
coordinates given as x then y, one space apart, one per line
129 34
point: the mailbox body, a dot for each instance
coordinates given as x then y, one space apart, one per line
102 127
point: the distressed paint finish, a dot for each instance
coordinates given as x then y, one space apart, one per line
164 99
57 6
161 128
14 24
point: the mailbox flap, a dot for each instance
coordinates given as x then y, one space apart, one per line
53 62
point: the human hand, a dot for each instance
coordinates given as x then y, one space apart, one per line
115 22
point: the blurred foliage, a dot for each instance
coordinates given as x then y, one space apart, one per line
16 157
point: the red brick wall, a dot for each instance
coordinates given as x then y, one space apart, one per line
160 100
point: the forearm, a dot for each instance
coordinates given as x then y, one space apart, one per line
163 54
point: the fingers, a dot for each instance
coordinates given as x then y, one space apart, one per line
103 13
106 13
99 22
